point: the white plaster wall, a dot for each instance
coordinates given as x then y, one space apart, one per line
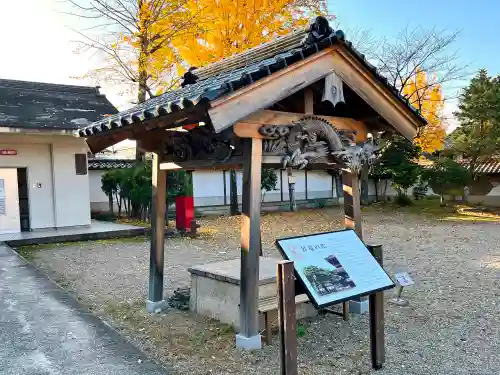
71 206
97 196
208 188
391 192
494 192
490 199
274 195
36 158
300 185
319 185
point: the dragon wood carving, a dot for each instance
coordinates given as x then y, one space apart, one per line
313 139
199 144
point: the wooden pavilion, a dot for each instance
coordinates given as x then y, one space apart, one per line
263 107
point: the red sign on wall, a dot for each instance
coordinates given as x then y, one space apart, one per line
8 152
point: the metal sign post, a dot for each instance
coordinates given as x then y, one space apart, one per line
403 279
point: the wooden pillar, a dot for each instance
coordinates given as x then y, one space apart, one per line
376 302
352 220
352 207
287 317
155 301
249 337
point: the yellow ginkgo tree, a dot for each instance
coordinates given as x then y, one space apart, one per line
226 27
427 96
132 40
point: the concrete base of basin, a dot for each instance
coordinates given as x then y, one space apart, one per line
215 290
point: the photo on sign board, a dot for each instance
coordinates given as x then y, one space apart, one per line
328 280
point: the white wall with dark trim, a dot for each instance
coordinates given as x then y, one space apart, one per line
58 197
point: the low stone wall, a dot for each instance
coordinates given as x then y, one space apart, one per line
486 200
215 291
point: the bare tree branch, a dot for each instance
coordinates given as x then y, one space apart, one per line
416 50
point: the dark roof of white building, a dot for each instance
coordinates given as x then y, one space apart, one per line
34 105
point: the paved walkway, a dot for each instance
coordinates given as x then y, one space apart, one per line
43 330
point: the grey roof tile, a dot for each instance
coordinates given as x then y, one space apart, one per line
212 87
34 105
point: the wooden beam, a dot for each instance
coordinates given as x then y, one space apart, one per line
149 128
235 163
230 109
249 336
98 143
287 317
379 97
156 253
249 127
308 101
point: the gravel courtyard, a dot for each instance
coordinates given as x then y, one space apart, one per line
450 327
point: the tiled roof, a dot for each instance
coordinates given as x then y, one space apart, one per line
102 164
484 167
221 78
33 105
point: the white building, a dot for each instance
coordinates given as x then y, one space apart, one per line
43 164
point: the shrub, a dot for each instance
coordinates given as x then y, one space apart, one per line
320 203
403 200
420 191
102 216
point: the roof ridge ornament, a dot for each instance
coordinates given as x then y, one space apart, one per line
318 30
189 78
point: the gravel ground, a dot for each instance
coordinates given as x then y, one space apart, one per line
450 327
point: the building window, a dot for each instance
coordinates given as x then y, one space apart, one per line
81 164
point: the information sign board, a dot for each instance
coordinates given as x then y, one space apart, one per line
334 266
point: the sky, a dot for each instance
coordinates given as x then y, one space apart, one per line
477 46
36 39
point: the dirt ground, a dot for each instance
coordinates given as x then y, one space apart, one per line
451 325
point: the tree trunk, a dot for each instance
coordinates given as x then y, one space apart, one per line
233 194
141 93
383 194
441 199
110 202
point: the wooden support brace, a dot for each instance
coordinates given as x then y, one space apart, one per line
376 306
287 318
